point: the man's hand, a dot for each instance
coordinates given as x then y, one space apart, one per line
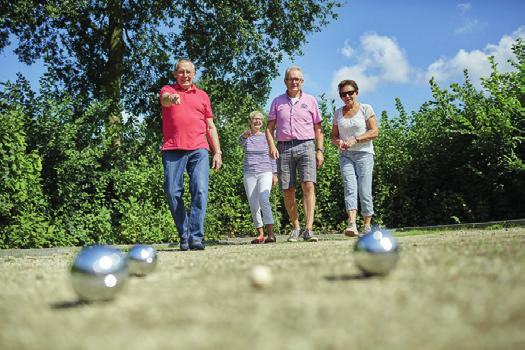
175 99
217 161
319 158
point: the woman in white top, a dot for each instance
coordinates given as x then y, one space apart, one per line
354 127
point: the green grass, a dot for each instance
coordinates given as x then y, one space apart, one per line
450 290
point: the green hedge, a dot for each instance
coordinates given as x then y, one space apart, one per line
459 158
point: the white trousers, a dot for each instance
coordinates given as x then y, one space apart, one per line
258 188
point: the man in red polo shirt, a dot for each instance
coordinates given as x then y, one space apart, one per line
187 123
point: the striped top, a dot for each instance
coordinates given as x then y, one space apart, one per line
256 157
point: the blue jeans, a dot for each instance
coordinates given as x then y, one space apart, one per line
195 162
356 170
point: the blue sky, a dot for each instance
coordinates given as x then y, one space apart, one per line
391 48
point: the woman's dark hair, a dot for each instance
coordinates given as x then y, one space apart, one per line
347 82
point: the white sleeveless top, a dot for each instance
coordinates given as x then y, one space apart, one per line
355 126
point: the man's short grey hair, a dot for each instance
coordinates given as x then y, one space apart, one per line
184 60
295 68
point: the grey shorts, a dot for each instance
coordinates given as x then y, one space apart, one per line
293 155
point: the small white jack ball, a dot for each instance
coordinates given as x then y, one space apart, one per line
261 277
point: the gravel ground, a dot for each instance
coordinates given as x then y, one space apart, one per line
450 290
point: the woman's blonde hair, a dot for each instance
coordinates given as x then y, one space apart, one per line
255 113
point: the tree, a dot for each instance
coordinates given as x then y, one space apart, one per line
122 51
104 58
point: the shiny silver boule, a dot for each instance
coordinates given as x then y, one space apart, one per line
376 252
99 273
142 260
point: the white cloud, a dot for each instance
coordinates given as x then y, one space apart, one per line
464 7
380 60
502 52
468 26
347 50
476 61
384 53
366 82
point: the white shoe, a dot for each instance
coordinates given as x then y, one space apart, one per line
294 235
351 230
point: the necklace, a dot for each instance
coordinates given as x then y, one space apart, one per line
350 112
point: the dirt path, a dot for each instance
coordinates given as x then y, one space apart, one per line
450 290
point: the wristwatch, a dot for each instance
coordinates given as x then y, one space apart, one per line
321 149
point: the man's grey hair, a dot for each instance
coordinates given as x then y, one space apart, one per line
184 60
295 68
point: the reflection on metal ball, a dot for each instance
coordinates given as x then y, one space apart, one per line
142 260
376 252
98 273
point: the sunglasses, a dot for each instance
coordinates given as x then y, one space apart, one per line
347 93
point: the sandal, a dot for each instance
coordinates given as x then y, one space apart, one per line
258 240
270 239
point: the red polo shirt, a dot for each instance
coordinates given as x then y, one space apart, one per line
184 125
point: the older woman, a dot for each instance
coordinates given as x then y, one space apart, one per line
354 127
260 173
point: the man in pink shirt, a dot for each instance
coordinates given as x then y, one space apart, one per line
187 122
297 119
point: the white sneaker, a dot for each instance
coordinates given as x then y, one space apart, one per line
366 228
294 235
351 230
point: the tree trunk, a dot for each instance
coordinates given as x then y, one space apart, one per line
114 69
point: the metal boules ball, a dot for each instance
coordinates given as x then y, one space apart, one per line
142 260
376 252
99 273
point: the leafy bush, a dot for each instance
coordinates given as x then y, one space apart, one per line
24 220
460 157
64 181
